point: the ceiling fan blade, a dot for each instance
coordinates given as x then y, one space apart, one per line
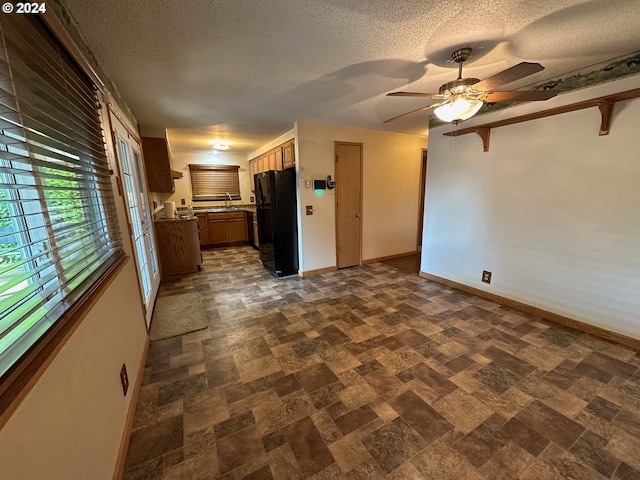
412 94
509 75
516 96
417 110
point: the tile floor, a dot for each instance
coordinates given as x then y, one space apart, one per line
374 372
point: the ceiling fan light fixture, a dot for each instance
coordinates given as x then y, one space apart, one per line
458 108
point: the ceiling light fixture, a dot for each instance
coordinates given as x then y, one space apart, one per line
461 100
221 145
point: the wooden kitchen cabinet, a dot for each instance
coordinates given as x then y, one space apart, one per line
281 157
217 230
227 228
157 163
288 155
178 246
203 223
237 229
271 160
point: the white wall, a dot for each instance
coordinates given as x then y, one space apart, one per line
553 210
70 425
391 190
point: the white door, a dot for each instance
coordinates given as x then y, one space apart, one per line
139 215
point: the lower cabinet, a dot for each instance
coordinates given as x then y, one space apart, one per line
227 228
178 246
203 228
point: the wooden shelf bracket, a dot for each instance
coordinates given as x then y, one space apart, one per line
606 110
484 133
605 105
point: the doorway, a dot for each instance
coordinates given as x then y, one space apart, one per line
138 214
348 168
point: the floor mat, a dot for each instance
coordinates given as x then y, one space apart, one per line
176 315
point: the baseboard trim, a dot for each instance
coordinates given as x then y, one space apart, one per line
308 273
389 257
135 395
554 317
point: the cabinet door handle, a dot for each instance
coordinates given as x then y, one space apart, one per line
358 215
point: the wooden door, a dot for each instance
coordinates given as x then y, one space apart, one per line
348 170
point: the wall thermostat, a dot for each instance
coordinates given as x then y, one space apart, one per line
319 184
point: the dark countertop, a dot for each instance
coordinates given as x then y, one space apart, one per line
184 215
239 208
159 217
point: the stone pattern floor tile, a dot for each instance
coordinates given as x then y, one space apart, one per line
373 372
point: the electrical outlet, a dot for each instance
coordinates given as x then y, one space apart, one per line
184 202
309 209
124 379
486 276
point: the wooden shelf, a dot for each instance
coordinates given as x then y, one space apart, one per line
605 105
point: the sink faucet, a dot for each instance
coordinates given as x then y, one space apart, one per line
227 195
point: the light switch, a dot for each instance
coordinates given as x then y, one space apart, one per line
307 183
309 209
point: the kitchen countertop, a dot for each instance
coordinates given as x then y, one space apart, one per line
239 208
183 215
159 217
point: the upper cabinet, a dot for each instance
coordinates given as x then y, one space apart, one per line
157 163
278 158
288 155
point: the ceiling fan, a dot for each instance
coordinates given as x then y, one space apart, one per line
463 97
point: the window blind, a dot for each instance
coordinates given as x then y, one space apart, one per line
213 182
58 223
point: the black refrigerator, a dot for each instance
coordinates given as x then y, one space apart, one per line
277 220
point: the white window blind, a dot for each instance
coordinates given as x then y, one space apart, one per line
58 224
213 182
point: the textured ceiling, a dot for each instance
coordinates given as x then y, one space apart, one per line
245 70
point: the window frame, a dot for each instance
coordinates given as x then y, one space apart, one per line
202 177
24 373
